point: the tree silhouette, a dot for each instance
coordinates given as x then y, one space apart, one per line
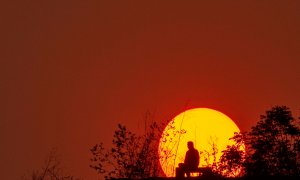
272 144
231 162
132 155
272 147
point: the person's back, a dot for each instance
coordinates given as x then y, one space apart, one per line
191 161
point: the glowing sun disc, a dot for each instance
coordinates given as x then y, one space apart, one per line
204 127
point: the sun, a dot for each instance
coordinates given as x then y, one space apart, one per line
207 128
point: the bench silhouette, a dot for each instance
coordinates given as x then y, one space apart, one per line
204 171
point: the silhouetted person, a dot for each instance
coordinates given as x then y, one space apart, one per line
191 161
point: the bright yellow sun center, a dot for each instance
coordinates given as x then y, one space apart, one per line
207 128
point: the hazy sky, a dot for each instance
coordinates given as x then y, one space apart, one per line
72 70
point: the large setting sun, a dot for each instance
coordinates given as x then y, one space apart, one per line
207 128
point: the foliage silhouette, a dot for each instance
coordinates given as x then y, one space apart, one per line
132 155
272 144
233 157
272 147
169 142
125 158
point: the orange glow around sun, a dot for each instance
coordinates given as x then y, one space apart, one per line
205 127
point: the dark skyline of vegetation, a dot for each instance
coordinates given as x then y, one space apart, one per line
272 149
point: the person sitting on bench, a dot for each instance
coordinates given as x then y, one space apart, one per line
191 161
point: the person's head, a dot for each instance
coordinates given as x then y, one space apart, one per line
190 145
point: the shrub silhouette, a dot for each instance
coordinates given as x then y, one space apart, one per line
272 147
132 155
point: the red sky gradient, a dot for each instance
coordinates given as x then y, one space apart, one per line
71 71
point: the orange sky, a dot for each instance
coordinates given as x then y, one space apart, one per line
70 71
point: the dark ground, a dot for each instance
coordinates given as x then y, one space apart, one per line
221 178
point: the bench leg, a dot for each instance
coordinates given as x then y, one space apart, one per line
179 173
